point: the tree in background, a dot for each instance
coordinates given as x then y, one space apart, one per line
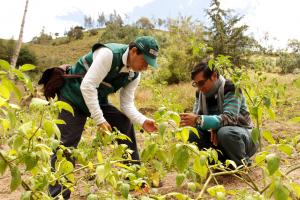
7 49
225 36
160 22
43 38
88 22
289 60
101 20
144 23
114 18
294 45
177 56
75 33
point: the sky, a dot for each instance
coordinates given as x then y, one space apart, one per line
276 19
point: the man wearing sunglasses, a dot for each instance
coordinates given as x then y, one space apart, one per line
220 116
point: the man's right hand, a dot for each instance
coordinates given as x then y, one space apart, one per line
104 126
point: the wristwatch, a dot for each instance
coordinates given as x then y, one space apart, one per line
199 120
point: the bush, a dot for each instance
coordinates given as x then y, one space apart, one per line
75 33
7 49
288 62
119 34
61 41
26 57
93 32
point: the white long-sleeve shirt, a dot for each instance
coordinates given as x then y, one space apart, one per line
102 61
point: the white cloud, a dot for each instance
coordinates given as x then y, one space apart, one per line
44 13
277 18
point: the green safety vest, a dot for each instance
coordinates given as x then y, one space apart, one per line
113 81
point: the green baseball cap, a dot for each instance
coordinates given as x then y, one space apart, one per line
149 46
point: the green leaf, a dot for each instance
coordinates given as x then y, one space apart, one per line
12 119
26 195
30 160
3 72
273 162
29 85
37 102
175 117
296 188
3 166
185 133
4 91
268 136
217 191
26 67
255 135
101 172
92 197
260 157
51 129
286 148
124 188
281 192
200 167
194 130
18 141
4 65
295 119
15 178
192 187
162 128
63 105
271 113
179 179
12 87
20 75
66 167
99 157
149 152
178 195
231 162
59 121
181 159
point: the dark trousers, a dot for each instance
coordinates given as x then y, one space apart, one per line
71 134
234 142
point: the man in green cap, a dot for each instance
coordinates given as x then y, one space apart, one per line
107 68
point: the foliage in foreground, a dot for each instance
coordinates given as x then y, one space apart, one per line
29 134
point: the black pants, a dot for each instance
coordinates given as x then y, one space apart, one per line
71 134
234 142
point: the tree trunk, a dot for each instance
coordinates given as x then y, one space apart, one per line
19 43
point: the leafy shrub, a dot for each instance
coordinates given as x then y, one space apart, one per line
119 34
93 32
288 62
75 33
7 49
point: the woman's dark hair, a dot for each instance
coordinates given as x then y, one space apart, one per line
203 67
132 44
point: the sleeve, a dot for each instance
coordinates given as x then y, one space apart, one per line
127 102
102 60
232 105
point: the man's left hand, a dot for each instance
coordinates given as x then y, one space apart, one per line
149 125
188 119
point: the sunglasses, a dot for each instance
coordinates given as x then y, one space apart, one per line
199 83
